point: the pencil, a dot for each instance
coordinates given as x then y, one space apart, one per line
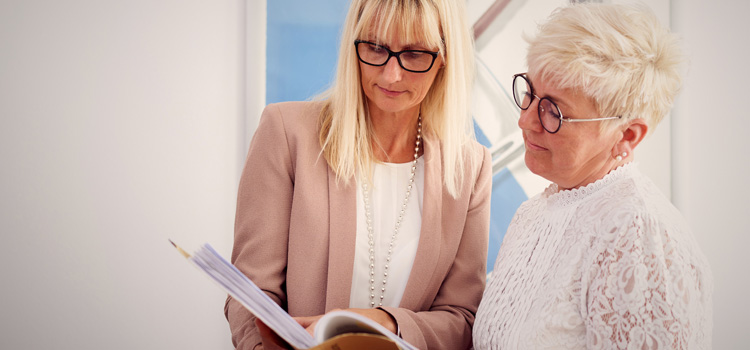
184 253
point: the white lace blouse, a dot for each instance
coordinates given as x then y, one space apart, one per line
611 265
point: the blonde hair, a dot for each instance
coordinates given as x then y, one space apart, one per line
345 134
617 55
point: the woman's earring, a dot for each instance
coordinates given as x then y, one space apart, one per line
620 156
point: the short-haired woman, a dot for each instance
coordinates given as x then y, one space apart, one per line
600 259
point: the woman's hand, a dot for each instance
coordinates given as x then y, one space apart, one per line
308 322
271 340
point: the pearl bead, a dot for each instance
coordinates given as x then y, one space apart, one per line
368 219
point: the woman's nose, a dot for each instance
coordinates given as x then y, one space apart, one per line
392 71
529 119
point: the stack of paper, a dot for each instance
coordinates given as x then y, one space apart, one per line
250 296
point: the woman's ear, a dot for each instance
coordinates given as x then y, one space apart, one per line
632 134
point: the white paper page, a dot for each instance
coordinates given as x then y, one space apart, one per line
340 322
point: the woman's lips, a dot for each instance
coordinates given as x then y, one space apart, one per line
530 146
390 93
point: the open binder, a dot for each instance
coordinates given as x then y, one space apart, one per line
337 330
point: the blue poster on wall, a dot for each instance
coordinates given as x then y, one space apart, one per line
302 49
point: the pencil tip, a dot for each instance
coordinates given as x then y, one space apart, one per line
184 253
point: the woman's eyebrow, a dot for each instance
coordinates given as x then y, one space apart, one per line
555 98
410 46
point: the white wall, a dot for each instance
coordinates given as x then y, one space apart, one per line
255 71
710 166
121 127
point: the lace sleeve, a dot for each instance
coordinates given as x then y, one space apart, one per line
641 284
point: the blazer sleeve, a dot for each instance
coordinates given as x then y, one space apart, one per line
448 322
264 201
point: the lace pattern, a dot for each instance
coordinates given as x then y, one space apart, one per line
611 265
570 197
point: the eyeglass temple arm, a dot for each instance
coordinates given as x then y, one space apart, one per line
570 120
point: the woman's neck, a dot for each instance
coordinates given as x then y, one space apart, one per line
394 135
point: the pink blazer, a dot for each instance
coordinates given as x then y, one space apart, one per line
295 233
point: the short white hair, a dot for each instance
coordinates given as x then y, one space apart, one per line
618 55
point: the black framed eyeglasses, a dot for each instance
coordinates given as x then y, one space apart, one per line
416 61
550 115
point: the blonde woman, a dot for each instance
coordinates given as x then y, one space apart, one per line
600 259
375 198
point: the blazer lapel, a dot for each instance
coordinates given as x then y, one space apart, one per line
428 250
343 227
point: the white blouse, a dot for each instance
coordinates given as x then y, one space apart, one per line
611 265
387 195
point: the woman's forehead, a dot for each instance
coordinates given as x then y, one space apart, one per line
565 97
401 27
397 41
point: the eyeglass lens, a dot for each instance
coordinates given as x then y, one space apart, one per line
411 60
521 92
549 113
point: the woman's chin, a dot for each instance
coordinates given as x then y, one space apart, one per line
533 164
537 168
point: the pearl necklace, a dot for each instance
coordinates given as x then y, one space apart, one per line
368 215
